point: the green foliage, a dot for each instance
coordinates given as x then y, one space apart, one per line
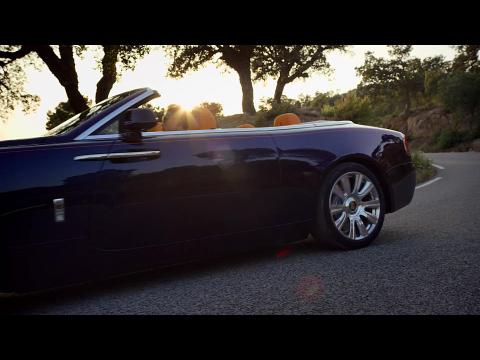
13 79
401 77
467 58
319 100
215 108
460 93
448 138
423 166
291 61
350 107
269 109
63 111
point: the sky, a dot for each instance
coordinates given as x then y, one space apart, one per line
207 84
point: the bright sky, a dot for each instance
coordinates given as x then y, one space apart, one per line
208 84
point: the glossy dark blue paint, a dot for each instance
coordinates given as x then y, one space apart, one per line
205 195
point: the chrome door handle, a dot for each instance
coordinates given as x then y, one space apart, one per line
123 155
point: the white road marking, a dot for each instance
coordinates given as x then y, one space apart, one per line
428 182
438 166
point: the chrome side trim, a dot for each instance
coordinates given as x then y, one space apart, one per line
115 113
125 155
128 155
91 157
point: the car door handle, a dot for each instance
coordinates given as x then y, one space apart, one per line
123 155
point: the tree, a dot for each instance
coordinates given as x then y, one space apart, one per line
401 76
460 93
63 111
350 106
12 82
215 108
287 63
60 60
158 111
126 55
467 58
187 58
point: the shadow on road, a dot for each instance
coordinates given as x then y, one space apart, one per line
142 280
112 287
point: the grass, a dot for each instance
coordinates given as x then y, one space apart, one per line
423 166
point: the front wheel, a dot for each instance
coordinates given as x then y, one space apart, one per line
351 207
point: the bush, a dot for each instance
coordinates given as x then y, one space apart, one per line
423 166
269 110
63 111
350 107
460 93
446 139
215 108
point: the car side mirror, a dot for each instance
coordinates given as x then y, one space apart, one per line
134 122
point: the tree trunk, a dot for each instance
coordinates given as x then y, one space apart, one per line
277 97
245 76
75 98
104 86
63 68
109 72
238 58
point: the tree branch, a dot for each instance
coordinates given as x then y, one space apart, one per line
14 55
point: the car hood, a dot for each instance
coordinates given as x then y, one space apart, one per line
27 142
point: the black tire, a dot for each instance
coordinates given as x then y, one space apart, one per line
324 229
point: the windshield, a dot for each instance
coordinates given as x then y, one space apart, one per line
78 119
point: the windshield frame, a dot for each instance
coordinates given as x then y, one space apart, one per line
98 113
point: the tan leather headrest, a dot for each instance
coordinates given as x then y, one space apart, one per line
286 119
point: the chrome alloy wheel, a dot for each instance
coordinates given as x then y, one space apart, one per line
354 205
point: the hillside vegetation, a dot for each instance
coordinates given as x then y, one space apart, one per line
436 103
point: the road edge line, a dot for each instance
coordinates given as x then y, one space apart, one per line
428 182
438 166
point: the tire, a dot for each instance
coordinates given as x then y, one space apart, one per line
363 207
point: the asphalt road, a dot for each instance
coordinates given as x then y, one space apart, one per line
426 260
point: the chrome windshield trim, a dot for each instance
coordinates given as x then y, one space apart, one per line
113 114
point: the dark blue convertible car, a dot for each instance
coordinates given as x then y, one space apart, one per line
102 194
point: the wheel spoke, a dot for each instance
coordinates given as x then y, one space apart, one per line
351 232
337 191
366 189
361 227
358 181
346 184
370 217
340 221
336 208
375 203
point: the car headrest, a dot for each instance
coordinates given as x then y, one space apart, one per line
204 119
158 127
286 119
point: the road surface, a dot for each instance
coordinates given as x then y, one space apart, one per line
425 261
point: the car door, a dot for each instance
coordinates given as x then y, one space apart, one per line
158 199
46 196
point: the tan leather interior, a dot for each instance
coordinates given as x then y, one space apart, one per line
286 119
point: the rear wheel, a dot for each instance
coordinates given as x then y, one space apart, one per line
351 207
